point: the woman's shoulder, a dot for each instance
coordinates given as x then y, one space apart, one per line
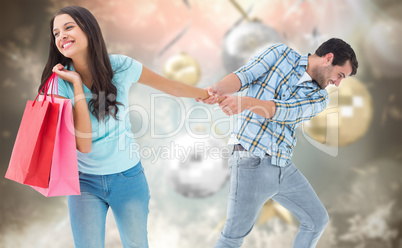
125 66
120 60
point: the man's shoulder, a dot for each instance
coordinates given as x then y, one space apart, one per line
281 47
286 50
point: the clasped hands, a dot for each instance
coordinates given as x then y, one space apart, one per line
230 104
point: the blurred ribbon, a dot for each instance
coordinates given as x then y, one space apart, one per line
178 36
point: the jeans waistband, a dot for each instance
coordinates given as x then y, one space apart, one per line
239 147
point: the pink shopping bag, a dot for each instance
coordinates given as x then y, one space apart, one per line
64 178
32 153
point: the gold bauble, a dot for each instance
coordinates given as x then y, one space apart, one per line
182 68
273 209
347 117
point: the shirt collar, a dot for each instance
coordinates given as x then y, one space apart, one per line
304 78
304 60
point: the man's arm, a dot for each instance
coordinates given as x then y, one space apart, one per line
285 112
236 104
295 111
246 75
227 86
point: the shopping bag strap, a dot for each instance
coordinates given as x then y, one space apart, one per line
51 81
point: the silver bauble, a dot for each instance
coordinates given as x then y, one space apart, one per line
244 41
382 45
198 167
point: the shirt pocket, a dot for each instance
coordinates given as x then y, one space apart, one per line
284 92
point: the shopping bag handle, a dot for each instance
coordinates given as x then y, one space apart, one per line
52 80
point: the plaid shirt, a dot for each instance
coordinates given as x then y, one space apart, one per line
273 75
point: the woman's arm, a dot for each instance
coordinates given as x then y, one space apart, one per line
170 87
82 119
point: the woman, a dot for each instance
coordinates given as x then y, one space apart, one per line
98 84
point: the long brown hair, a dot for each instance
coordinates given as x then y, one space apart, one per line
103 91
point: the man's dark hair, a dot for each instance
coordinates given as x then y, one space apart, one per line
342 52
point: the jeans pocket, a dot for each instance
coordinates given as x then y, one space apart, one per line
132 172
249 162
81 174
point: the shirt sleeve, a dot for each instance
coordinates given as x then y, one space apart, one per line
295 111
259 65
127 69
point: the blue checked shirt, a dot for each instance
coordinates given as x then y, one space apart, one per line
273 75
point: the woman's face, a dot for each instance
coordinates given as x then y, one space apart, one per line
70 40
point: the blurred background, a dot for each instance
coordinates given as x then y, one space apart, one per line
351 153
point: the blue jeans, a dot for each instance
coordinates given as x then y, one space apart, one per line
126 193
252 182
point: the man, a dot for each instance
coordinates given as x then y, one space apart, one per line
284 89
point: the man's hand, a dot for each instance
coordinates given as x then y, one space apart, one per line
233 105
230 84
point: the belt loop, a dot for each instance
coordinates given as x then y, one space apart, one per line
231 149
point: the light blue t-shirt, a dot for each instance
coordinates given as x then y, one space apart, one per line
113 146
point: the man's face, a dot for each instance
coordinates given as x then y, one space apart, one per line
327 73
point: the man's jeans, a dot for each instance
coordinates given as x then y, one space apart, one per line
126 193
252 182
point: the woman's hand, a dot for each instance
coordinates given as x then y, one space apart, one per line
212 99
70 76
214 96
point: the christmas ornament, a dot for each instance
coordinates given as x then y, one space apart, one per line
382 44
198 167
182 68
347 117
244 40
